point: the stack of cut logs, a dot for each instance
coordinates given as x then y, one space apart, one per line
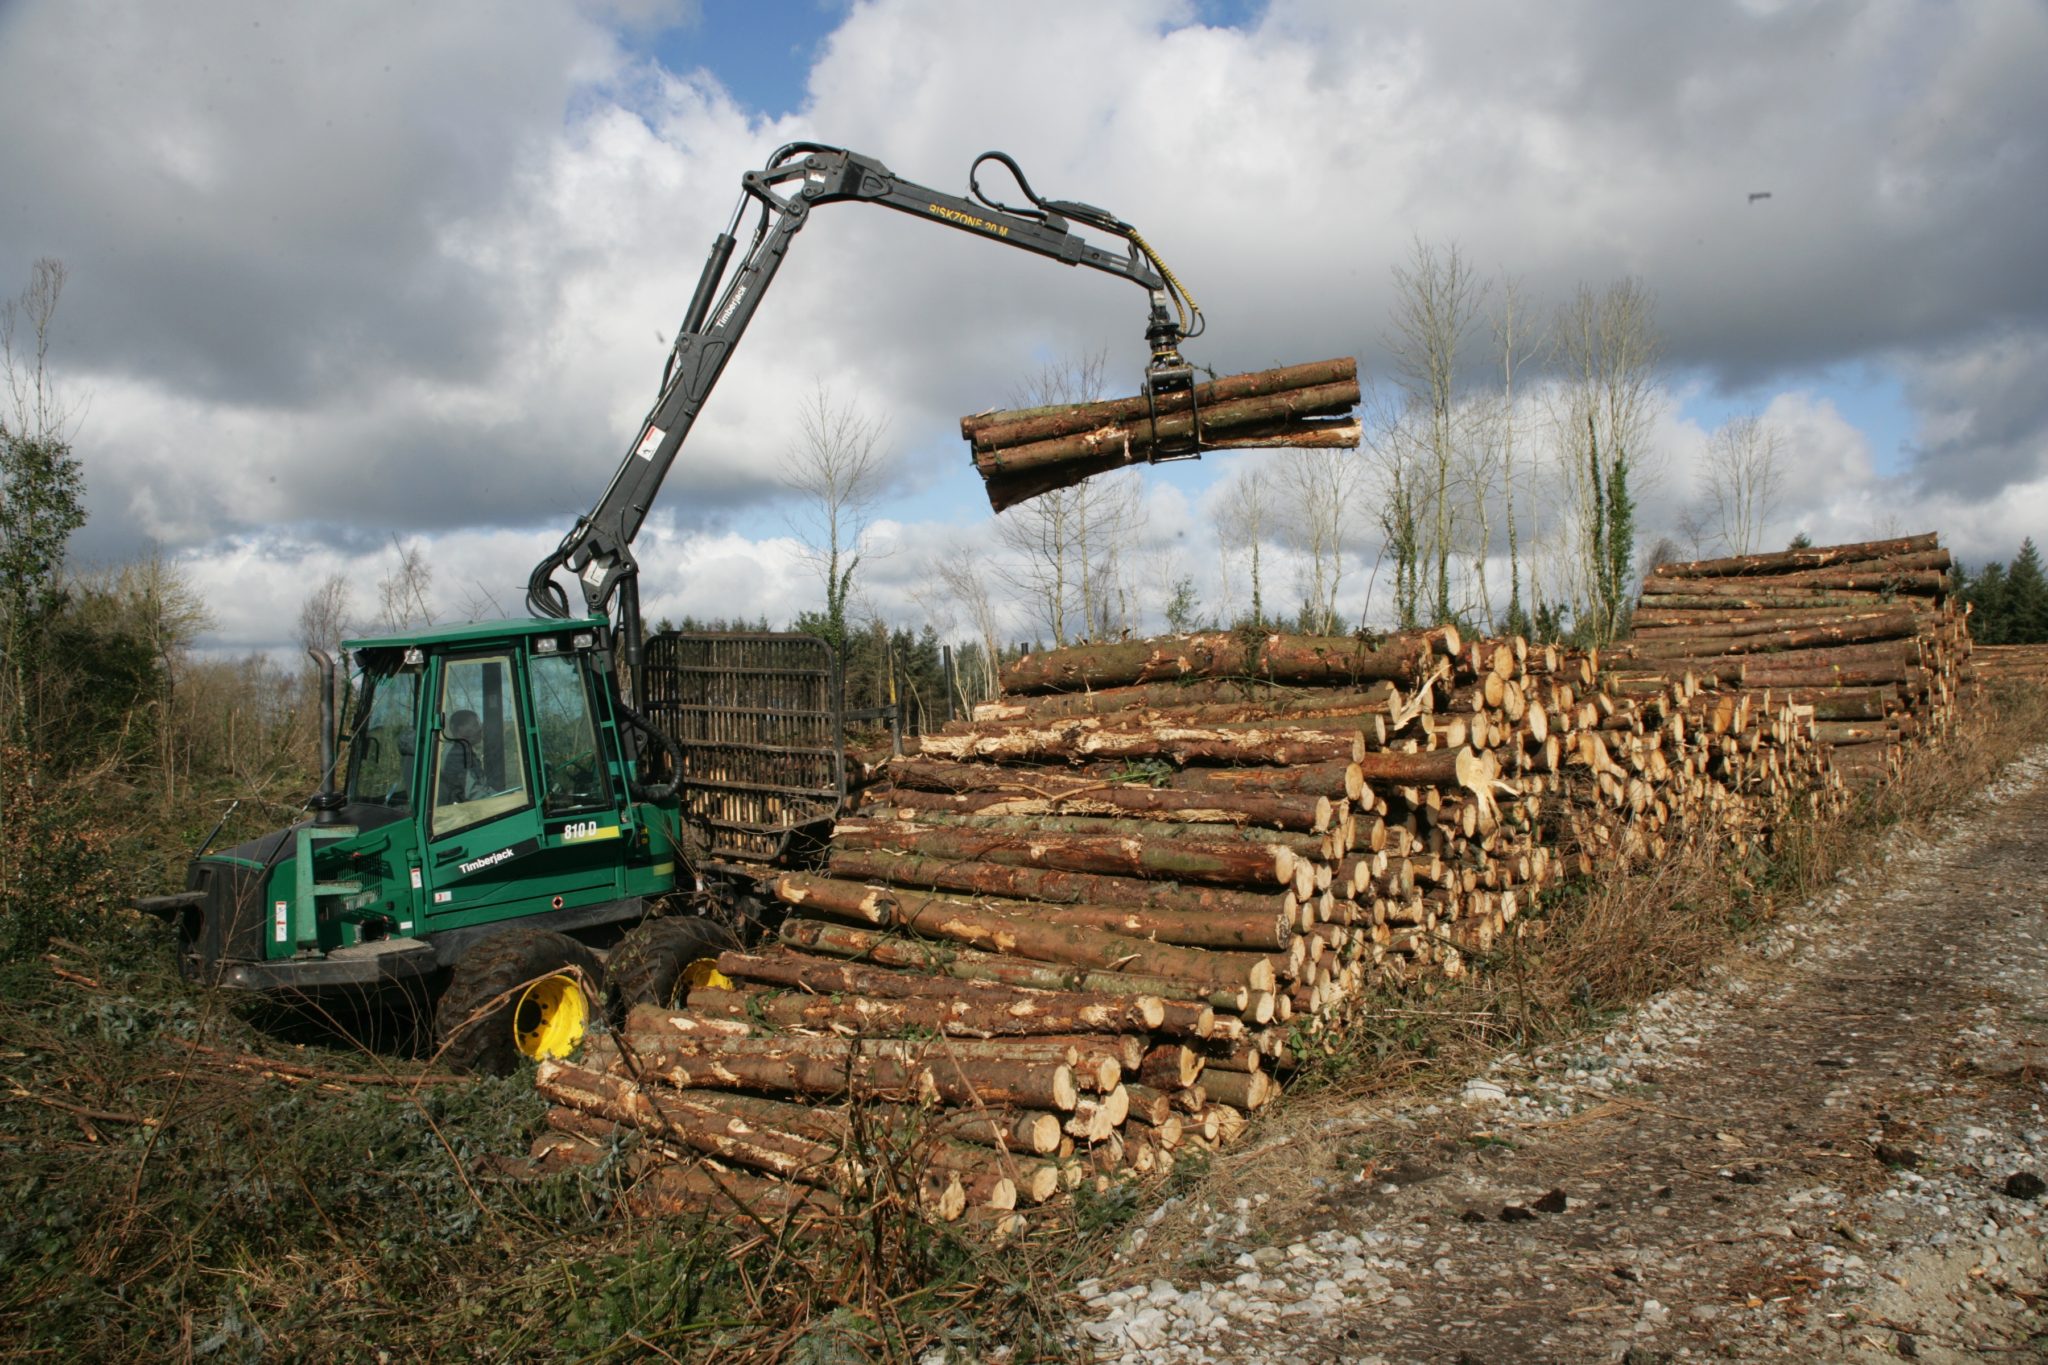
1025 452
1860 642
1088 932
2009 664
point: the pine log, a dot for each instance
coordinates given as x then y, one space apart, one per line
1278 658
1914 582
859 1014
1323 779
1898 625
1303 845
1007 791
1129 440
1082 738
1007 489
1045 884
665 1191
841 940
1247 865
993 430
897 1070
1026 934
1024 1010
1793 561
1278 699
690 1123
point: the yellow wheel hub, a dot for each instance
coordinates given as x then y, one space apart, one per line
549 1018
704 972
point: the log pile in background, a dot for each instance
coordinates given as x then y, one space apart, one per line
2008 664
1023 453
1096 927
1861 641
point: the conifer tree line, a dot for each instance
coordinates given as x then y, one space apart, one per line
2008 601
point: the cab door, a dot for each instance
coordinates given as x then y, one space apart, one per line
491 852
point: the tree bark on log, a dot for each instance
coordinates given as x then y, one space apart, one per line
1016 935
692 1124
966 964
1044 884
897 1070
1131 441
981 789
1021 426
1082 738
1278 699
1046 827
1914 582
1247 865
1278 658
1793 561
1024 1010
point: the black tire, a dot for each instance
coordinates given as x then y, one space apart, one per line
649 965
473 1024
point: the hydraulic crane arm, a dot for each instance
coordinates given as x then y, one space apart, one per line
798 178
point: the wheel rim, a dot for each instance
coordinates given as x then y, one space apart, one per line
549 1018
704 972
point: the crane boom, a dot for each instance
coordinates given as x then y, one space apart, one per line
799 177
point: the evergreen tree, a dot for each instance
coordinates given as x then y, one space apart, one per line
1985 592
2026 598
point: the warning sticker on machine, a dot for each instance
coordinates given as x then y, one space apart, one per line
649 443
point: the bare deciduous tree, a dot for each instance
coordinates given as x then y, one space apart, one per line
1318 488
327 615
1437 299
1743 477
1074 576
837 467
1244 518
1602 409
403 595
963 580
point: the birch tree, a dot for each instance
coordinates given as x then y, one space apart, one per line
1244 519
1318 488
1437 300
836 467
1743 476
1603 406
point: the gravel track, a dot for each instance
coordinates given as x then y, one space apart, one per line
1831 1150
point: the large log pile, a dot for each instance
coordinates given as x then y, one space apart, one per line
1097 926
1025 452
1862 640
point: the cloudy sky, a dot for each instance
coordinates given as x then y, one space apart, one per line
344 274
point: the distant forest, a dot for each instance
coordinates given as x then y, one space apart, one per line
2009 602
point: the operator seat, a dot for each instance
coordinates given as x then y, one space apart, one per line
462 766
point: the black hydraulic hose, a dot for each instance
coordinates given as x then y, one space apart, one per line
658 791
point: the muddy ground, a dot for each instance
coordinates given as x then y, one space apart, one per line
1832 1150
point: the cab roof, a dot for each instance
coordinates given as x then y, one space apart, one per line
473 632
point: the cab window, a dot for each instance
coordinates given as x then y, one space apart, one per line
479 763
380 757
572 777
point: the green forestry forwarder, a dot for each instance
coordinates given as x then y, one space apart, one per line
530 802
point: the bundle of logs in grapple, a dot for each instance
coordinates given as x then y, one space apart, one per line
1862 638
1023 453
1094 928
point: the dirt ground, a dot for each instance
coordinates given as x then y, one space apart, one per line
1832 1151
